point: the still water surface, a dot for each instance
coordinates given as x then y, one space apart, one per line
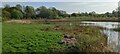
112 40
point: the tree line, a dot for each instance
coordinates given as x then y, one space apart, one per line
29 12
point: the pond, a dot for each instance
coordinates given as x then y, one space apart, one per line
112 36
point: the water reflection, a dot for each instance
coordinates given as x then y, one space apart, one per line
103 24
112 38
112 35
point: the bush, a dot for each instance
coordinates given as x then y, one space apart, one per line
17 14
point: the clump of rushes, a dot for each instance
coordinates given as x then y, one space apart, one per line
90 39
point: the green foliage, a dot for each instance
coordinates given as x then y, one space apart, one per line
30 38
35 38
0 11
0 37
29 12
6 15
16 14
51 13
43 12
19 7
74 14
90 39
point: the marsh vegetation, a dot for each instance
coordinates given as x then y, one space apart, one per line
47 30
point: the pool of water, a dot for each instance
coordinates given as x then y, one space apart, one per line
113 40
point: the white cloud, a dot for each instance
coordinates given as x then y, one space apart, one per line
99 7
0 4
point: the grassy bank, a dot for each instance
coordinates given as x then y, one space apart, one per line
44 38
89 38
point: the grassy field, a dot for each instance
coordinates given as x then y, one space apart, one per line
29 37
0 37
19 37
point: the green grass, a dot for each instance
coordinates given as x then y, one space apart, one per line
35 38
30 38
90 40
0 37
89 37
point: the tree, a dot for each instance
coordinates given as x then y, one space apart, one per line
108 14
0 14
93 13
114 13
74 14
6 15
6 7
62 13
118 11
83 14
16 14
19 7
53 12
30 12
43 12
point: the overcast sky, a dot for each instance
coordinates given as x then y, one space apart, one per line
70 7
59 0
